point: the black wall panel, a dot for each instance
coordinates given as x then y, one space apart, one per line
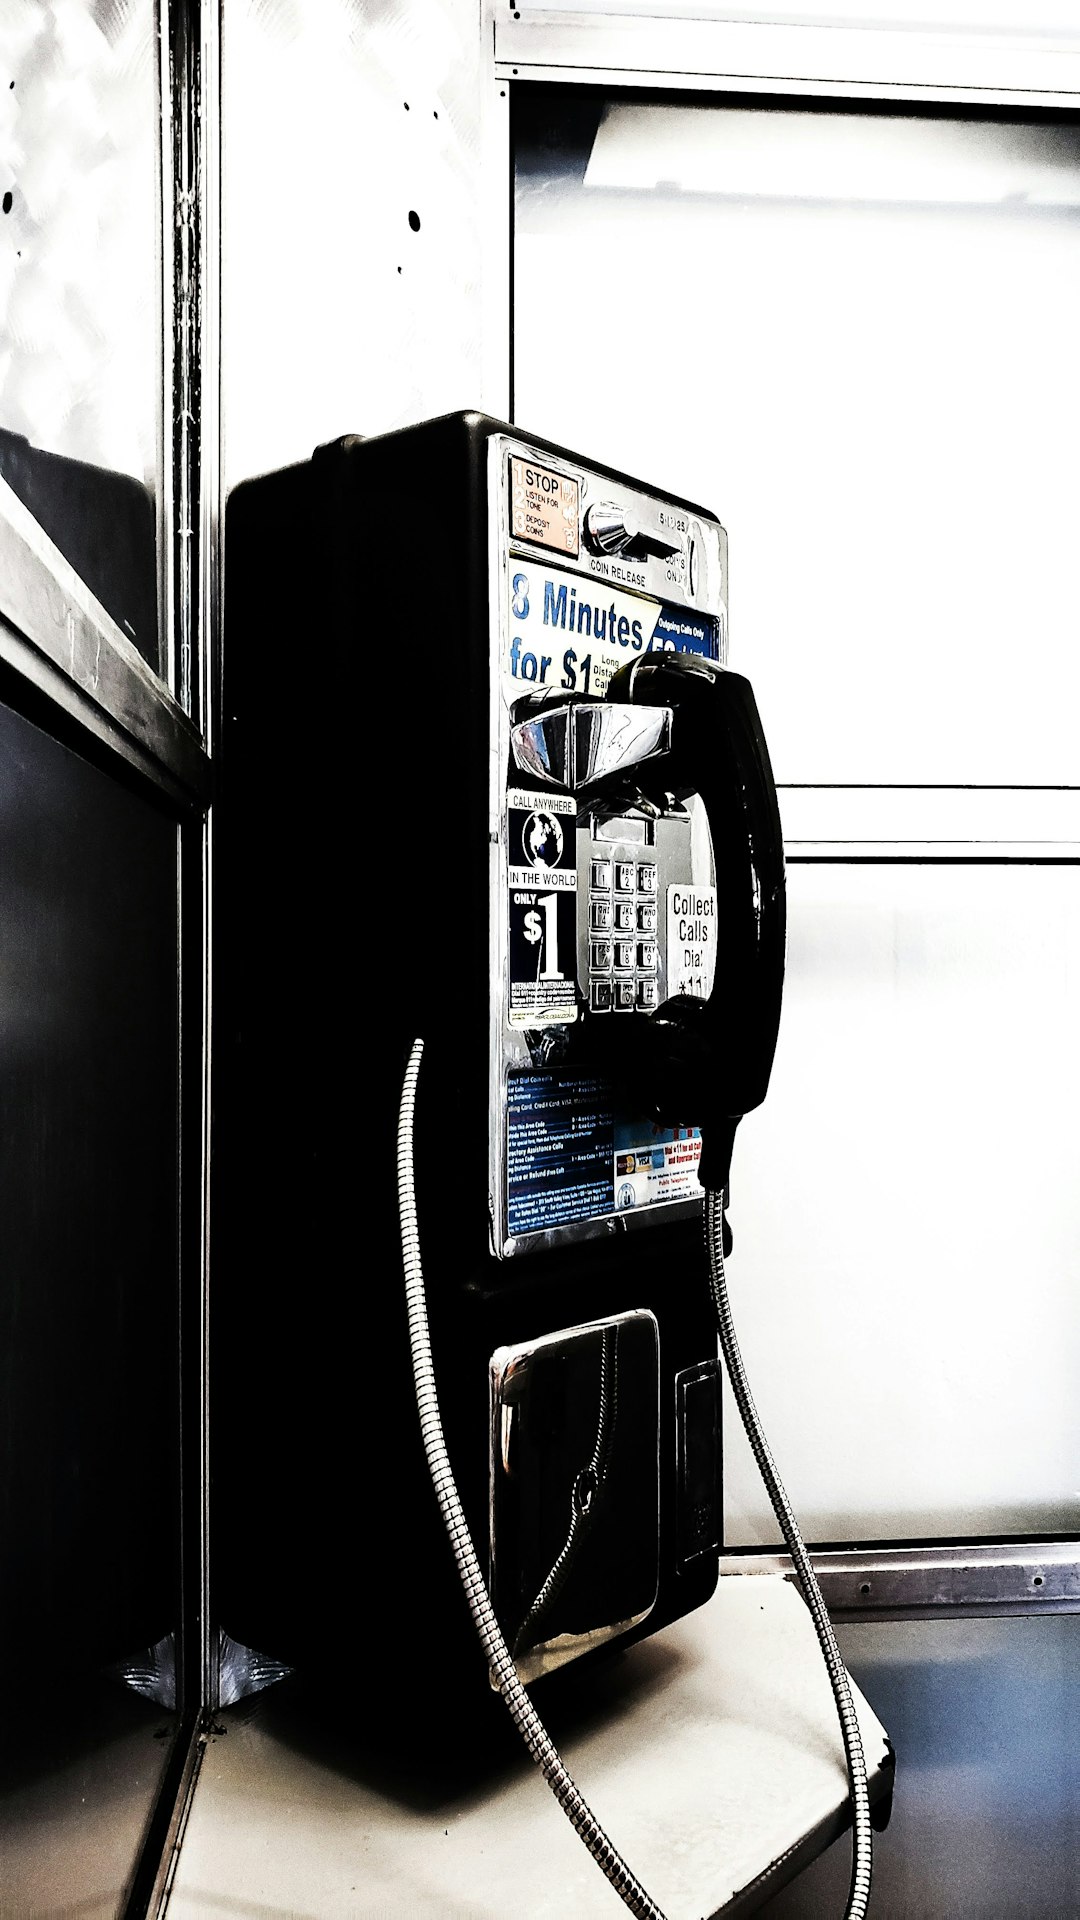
89 1458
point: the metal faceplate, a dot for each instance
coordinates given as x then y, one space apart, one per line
602 906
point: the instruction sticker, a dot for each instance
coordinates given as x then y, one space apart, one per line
571 1157
541 863
560 1130
691 950
544 506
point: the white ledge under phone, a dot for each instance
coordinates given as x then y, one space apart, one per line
716 1765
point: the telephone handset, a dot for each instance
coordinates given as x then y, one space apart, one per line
694 1059
719 1070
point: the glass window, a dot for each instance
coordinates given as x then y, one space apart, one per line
849 331
906 1212
851 334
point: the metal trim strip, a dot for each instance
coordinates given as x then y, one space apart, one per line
1002 1577
58 637
635 49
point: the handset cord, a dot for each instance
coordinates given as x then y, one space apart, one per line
862 1840
499 1658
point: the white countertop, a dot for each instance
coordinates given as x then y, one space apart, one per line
713 1755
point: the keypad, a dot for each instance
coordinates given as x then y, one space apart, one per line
623 969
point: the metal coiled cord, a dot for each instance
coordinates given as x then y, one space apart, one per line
859 1892
497 1653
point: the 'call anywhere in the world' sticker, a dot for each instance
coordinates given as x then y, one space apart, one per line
541 858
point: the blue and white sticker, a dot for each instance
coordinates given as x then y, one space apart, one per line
570 633
559 1150
655 1164
541 872
570 1157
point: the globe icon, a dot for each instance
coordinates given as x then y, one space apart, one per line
543 839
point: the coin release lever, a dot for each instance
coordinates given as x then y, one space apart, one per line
611 528
608 528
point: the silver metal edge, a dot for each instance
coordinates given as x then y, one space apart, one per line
603 1225
157 1904
201 1012
185 259
722 83
1006 1577
209 614
636 49
520 1349
498 750
211 489
165 239
1062 853
60 639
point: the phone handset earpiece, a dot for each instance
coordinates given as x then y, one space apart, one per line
708 1060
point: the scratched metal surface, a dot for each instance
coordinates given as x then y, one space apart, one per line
80 288
79 282
353 221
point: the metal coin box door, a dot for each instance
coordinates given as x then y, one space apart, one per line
484 781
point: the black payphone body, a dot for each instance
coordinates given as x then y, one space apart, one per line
486 780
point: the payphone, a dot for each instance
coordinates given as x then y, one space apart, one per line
489 792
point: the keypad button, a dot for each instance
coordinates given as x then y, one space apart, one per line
624 916
600 996
600 956
600 915
601 875
646 995
646 877
646 917
624 996
625 875
646 956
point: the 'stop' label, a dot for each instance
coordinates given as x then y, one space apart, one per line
544 506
